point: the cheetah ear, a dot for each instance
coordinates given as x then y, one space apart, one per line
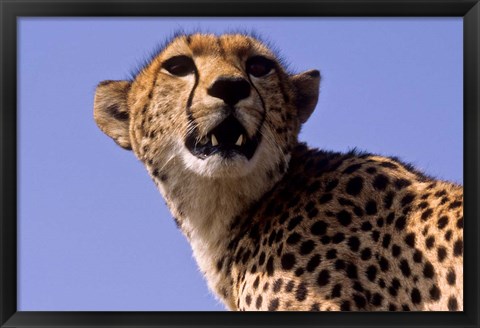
306 93
110 111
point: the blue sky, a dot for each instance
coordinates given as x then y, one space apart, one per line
95 234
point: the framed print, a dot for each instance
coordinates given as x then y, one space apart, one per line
308 157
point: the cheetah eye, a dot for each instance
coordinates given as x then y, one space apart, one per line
179 65
259 66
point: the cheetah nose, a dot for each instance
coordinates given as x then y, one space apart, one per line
230 90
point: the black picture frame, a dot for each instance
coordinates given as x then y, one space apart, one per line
10 10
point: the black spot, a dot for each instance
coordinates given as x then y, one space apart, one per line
423 205
248 299
358 211
279 235
338 238
452 304
388 165
319 228
371 170
294 222
375 235
315 307
270 268
405 307
441 253
442 222
313 263
325 198
371 207
289 286
309 206
345 202
426 214
366 254
261 259
293 238
429 242
455 204
325 240
388 200
331 254
299 272
352 168
428 270
360 301
381 283
352 271
331 185
288 261
277 285
448 235
410 239
339 265
354 186
384 265
258 303
458 248
220 264
386 240
323 278
265 287
460 223
451 277
366 226
417 256
405 268
380 182
256 282
273 306
396 250
302 292
377 299
380 222
400 223
358 286
336 291
307 247
435 293
402 183
353 243
407 199
345 306
392 307
272 237
390 218
344 218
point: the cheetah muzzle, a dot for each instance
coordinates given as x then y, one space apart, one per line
273 224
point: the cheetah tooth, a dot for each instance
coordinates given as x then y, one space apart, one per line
239 140
214 140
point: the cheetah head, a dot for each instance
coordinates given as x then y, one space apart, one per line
222 106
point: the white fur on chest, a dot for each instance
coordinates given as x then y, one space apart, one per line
205 208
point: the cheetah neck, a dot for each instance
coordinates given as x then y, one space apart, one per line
204 209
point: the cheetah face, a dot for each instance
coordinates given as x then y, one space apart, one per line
223 104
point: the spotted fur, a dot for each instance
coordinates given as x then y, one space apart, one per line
290 228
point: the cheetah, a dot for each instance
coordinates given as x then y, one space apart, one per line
275 225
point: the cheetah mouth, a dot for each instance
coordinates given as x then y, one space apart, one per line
227 139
